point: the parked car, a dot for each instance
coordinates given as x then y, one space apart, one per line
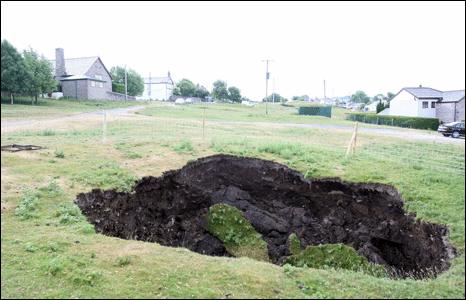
453 129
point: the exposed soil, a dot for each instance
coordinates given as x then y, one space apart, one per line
278 201
16 147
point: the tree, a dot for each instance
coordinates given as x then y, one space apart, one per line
135 81
378 97
360 97
14 73
390 96
380 106
234 94
201 92
274 97
40 74
185 87
220 91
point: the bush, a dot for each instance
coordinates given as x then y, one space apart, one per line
399 121
325 111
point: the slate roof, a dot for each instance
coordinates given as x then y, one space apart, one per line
77 66
453 96
78 77
424 92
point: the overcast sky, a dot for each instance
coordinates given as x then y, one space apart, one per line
375 47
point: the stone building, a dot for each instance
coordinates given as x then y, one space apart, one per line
84 78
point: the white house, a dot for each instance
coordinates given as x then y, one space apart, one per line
415 102
157 88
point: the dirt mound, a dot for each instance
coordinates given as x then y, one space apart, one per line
278 201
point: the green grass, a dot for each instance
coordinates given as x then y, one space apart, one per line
335 256
49 250
229 225
50 108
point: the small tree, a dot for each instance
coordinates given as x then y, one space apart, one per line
40 74
14 73
135 81
220 91
234 94
380 106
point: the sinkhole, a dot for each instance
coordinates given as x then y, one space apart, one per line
175 210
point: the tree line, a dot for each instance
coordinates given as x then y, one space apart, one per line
26 73
220 91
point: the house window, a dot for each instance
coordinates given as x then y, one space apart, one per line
432 105
425 104
98 77
101 84
92 83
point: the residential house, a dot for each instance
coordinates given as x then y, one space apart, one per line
158 88
427 103
84 78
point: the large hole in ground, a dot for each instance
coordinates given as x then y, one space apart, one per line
278 201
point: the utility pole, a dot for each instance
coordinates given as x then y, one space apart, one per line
150 87
325 95
126 86
273 90
267 75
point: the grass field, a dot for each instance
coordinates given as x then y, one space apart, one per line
49 250
48 108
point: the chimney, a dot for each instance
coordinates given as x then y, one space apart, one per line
60 69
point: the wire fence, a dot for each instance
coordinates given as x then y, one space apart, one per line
131 130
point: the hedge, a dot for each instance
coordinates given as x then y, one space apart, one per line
325 111
399 121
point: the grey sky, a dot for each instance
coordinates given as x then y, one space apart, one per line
375 47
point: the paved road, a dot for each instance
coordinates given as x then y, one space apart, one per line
410 134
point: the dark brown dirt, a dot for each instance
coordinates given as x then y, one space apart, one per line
278 201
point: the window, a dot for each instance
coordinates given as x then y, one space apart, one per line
92 83
432 105
99 77
101 84
425 104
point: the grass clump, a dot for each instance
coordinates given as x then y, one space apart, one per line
184 146
52 189
238 236
337 256
107 175
59 153
27 208
123 261
68 213
47 132
294 244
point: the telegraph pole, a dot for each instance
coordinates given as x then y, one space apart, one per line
126 86
325 95
267 75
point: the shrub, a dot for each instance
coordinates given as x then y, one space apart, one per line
399 121
325 111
